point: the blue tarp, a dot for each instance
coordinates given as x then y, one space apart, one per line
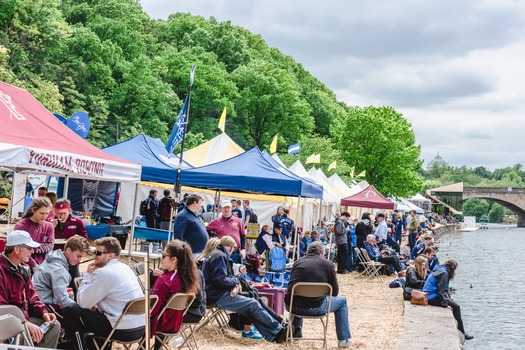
157 164
249 172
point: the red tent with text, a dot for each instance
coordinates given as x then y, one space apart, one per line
34 140
368 198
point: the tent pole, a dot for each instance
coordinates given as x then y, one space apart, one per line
296 241
66 185
133 223
146 296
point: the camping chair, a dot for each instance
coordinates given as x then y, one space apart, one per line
10 327
277 267
178 301
374 267
17 313
133 307
310 290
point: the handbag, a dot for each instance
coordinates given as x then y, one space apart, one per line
419 298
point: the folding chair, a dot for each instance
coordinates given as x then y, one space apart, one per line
217 315
178 301
277 267
374 267
17 313
10 327
310 290
133 307
139 270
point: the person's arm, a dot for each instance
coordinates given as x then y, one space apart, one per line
59 284
48 239
220 277
242 234
268 240
93 288
179 227
247 216
442 286
81 229
332 277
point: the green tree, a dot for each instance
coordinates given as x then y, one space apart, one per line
475 207
496 213
380 141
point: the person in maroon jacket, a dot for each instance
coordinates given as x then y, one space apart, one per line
16 288
67 225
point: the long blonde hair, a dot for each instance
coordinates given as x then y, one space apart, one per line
210 246
420 266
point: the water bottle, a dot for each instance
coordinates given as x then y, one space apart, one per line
45 326
70 293
150 248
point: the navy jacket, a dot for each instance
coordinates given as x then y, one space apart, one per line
218 274
190 228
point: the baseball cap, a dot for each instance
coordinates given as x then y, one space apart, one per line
226 203
20 238
62 208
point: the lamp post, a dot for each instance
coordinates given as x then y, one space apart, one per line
110 125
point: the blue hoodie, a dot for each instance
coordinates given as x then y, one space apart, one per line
436 285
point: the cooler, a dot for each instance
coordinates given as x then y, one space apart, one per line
273 297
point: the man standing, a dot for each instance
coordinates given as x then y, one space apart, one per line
314 268
53 277
189 227
67 225
151 209
382 228
16 288
164 211
248 212
235 210
341 239
229 225
107 287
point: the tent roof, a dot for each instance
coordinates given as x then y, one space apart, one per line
457 187
336 181
249 172
157 164
298 169
277 159
368 198
419 198
34 140
219 148
330 196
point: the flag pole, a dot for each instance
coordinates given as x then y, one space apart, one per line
179 168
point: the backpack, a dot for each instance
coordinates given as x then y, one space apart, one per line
165 208
142 208
253 218
252 263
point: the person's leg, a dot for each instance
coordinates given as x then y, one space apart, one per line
265 324
350 263
339 307
456 311
77 319
392 260
50 339
342 256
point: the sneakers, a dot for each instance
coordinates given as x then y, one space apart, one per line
468 337
344 343
252 334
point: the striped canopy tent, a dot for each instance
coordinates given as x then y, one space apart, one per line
219 148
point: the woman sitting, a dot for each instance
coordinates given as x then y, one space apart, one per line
416 276
438 291
180 275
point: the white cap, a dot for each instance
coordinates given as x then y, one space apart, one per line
226 204
20 238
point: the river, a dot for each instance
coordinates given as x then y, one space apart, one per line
489 284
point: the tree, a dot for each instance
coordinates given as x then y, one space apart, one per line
380 141
496 213
475 207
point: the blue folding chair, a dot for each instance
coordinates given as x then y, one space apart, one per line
277 267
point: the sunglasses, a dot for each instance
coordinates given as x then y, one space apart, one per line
99 253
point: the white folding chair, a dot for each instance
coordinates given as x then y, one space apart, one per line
310 290
10 327
17 313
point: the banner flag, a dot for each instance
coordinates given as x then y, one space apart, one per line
192 74
314 158
273 145
222 120
362 174
352 172
293 149
332 166
178 128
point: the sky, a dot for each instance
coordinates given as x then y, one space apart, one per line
452 68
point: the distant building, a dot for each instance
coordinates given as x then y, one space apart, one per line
437 161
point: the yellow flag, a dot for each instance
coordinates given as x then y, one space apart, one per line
352 172
222 120
332 166
314 158
362 174
273 145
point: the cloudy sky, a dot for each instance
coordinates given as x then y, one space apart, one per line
452 68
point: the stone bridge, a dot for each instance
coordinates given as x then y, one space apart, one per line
452 196
511 198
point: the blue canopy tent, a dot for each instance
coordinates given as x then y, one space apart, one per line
249 172
157 164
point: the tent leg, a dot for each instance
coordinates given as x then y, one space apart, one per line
296 241
66 185
132 232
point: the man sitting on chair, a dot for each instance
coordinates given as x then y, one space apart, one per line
313 267
107 287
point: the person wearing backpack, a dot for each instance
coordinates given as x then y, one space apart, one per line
248 213
164 210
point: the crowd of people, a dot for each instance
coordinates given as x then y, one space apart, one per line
205 258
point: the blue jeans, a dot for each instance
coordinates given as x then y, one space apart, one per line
265 324
340 309
352 258
412 239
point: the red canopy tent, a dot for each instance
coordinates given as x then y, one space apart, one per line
368 198
33 140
